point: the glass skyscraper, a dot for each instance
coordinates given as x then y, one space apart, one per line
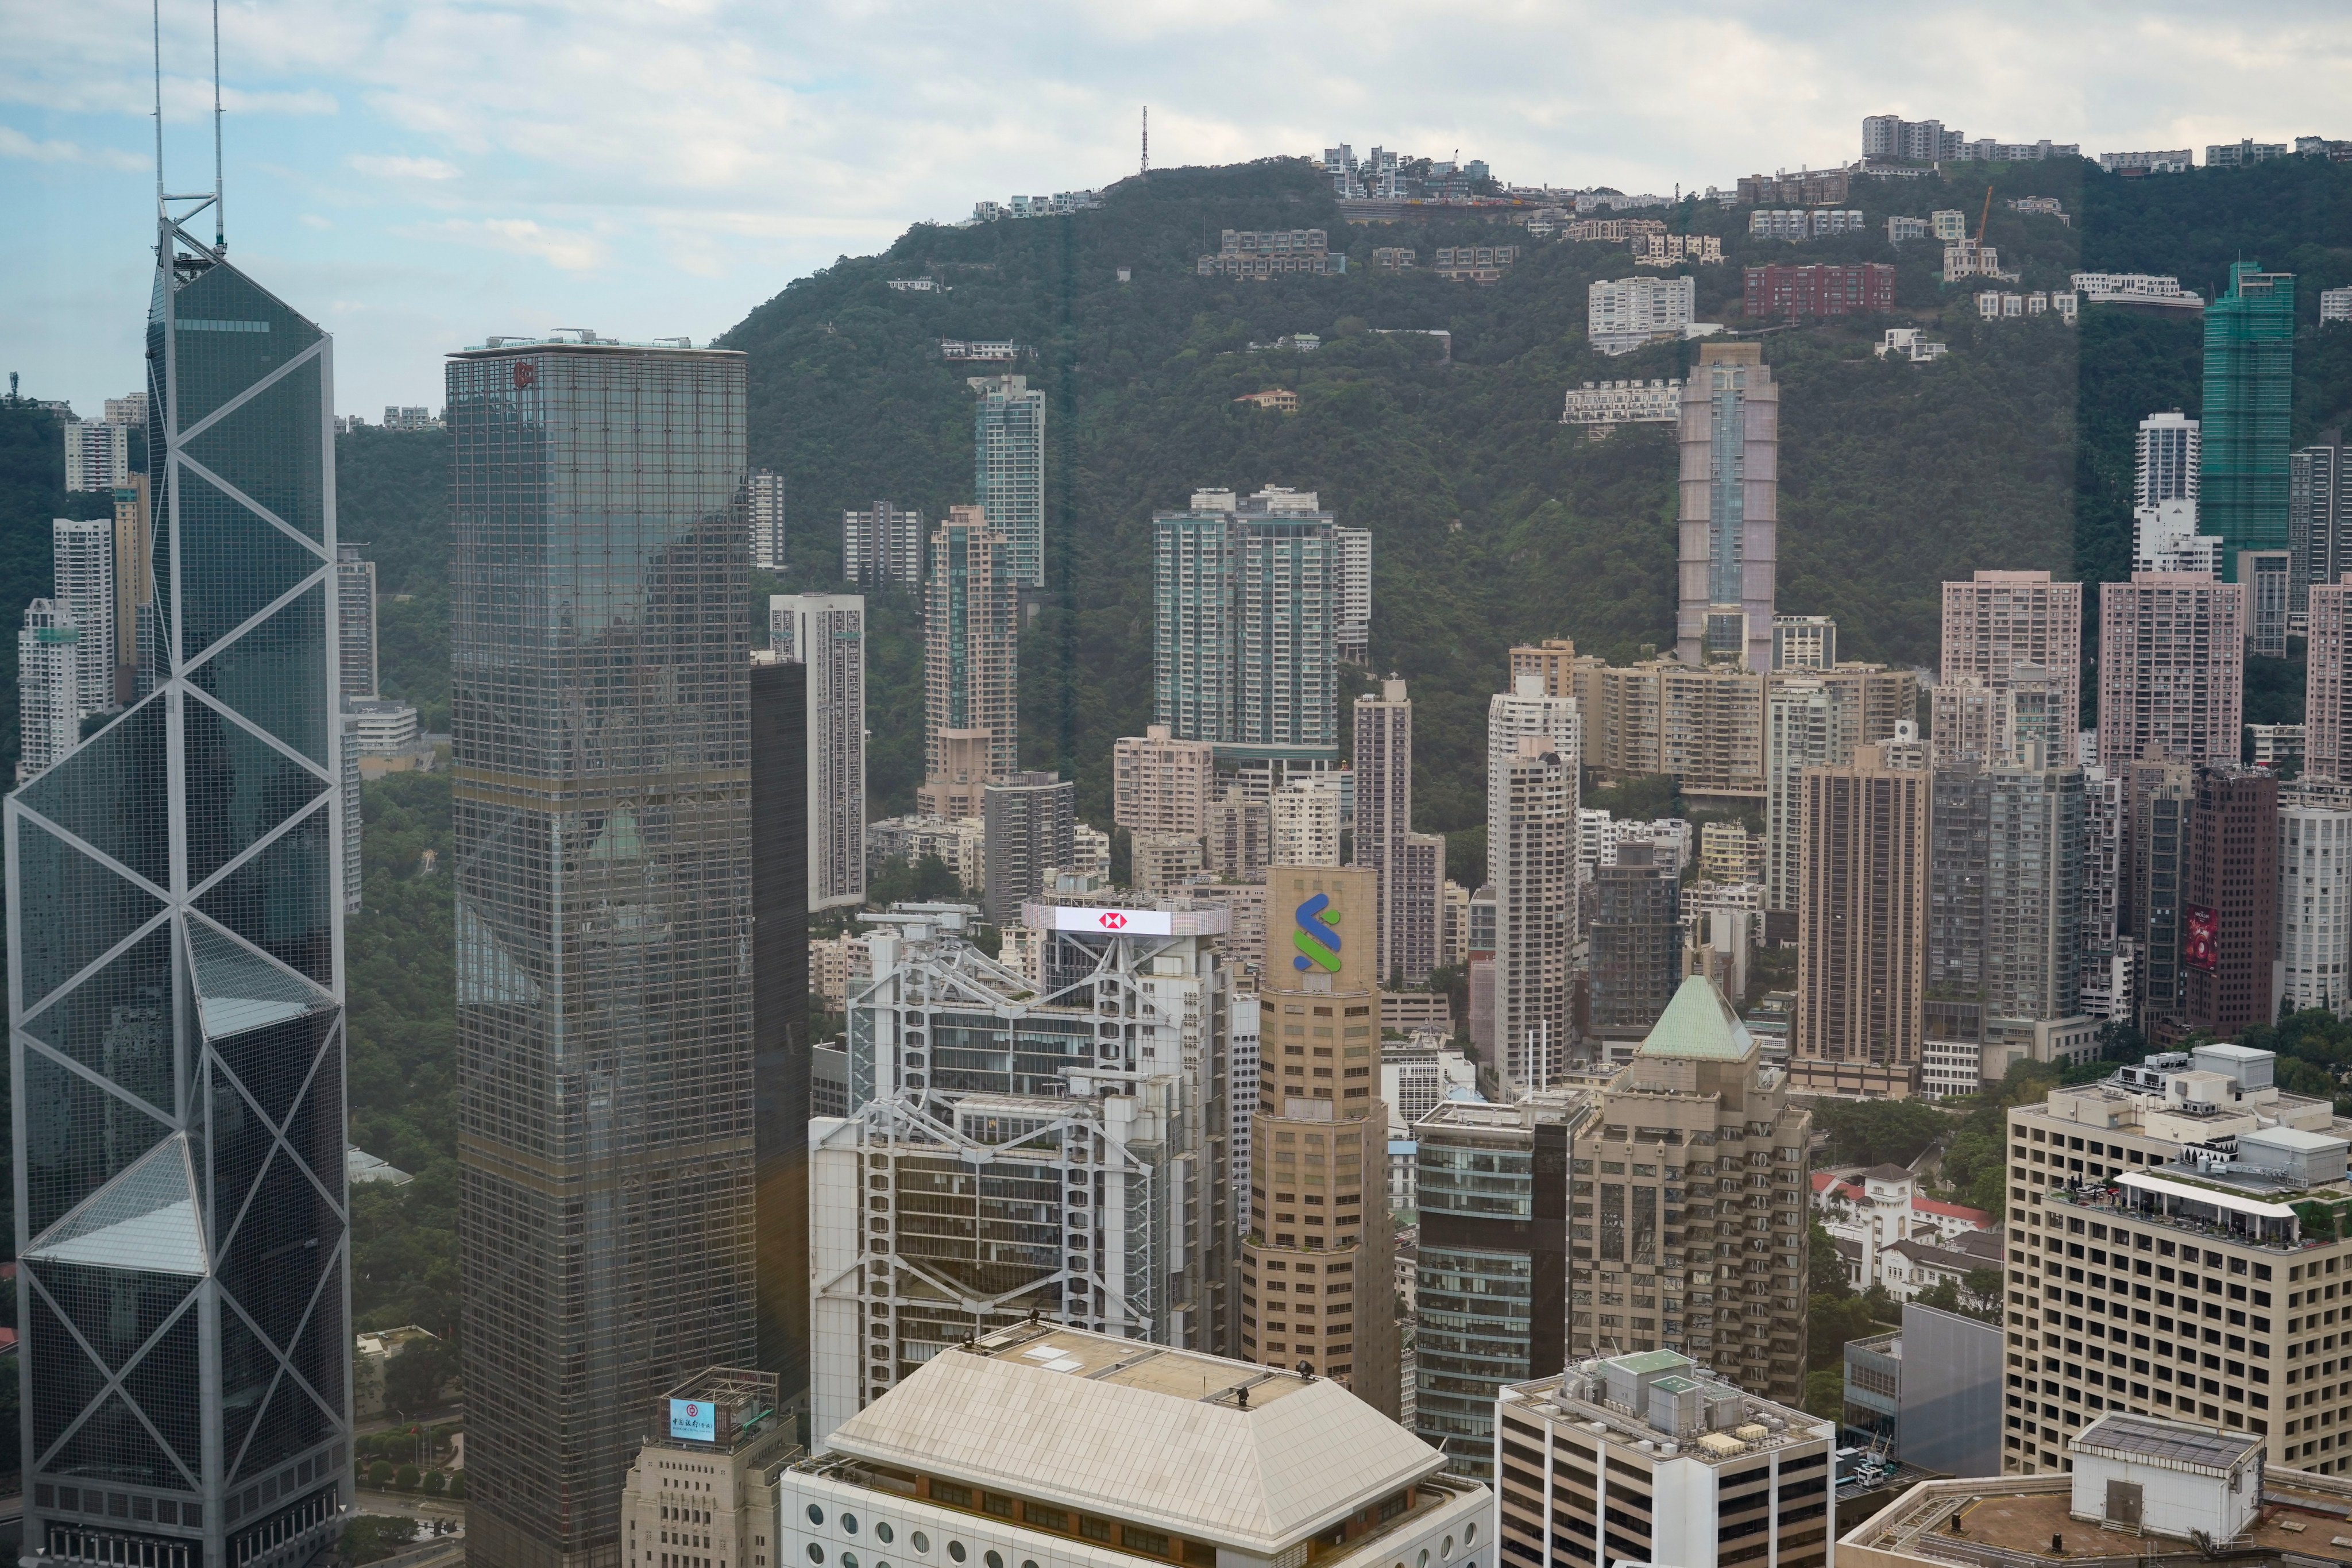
1730 526
176 971
2249 398
599 707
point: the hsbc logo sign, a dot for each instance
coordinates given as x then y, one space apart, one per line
1112 920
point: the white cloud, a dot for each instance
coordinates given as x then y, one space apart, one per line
392 168
16 144
568 250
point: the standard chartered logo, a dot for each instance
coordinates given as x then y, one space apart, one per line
1316 939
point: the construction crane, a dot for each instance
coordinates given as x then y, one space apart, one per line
1984 218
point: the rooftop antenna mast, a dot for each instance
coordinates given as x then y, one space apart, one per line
220 203
175 223
1147 142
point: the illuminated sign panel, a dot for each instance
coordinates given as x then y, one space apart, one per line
694 1419
1126 921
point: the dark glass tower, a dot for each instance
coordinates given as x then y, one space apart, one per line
2249 402
175 971
600 705
780 1019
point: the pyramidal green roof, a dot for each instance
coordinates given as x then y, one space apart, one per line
1699 1023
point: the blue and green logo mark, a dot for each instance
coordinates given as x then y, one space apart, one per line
1316 942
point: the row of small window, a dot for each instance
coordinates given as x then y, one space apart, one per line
117 1505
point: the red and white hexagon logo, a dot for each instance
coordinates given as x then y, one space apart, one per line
525 373
1112 920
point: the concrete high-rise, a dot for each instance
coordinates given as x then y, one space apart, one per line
1731 434
2004 895
135 626
1803 642
1998 621
1009 470
826 633
2248 411
2166 461
1304 818
1553 662
1318 1214
1030 819
2230 938
1689 1229
970 663
2172 659
600 710
1532 831
2314 899
1636 942
175 976
355 621
883 547
782 805
1815 718
2160 811
1353 637
1861 918
764 503
1411 865
2327 682
49 687
2319 512
1161 784
82 568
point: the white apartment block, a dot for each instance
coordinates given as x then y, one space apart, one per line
1623 314
1522 711
1997 305
2336 305
1532 834
2314 918
1306 821
2134 287
128 410
82 561
2165 539
380 726
1950 224
827 632
1352 608
2166 456
2170 161
766 496
1609 403
97 457
49 687
1899 229
355 623
959 842
1159 784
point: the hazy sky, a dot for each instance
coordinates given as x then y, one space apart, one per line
416 174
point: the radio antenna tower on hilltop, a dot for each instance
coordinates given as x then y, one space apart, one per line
1147 142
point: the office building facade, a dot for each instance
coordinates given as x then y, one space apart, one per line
782 805
603 853
175 971
2242 479
1490 1289
1694 1236
1319 1224
825 634
1009 470
1730 438
2172 660
999 1154
1862 912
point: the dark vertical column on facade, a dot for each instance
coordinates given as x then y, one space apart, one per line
780 1019
1548 1253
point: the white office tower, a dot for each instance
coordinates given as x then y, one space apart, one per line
48 709
1523 710
1306 813
1012 1148
827 632
83 562
1531 826
1808 723
355 623
1042 1444
2314 918
2165 460
1353 616
765 502
353 866
1621 314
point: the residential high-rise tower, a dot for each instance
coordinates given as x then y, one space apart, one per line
764 507
2249 402
1862 915
827 632
1009 470
1998 621
1410 864
971 669
355 622
1731 506
599 707
1531 829
2172 658
883 547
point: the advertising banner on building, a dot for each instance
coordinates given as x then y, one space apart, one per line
694 1419
2200 945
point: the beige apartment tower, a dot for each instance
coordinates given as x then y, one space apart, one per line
1862 927
2172 661
1410 864
1691 1202
1318 1261
1731 434
1996 621
2327 688
971 683
1159 785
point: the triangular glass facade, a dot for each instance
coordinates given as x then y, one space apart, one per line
177 971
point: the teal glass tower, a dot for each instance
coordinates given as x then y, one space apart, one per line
176 988
2248 401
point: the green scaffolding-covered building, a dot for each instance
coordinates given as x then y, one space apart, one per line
2248 399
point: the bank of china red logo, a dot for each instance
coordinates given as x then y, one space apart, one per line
525 373
1112 920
